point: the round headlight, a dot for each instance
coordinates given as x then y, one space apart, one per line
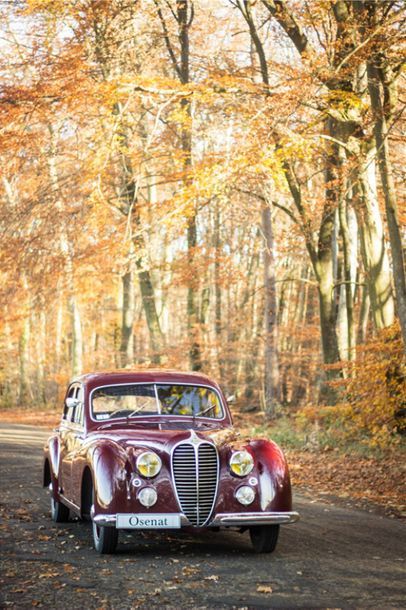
241 463
245 495
149 464
147 496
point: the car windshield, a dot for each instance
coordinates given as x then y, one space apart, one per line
139 400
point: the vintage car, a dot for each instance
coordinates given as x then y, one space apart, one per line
157 450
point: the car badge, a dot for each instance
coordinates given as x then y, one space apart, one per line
194 439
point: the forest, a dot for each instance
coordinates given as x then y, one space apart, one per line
208 185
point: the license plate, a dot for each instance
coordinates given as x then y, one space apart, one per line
147 521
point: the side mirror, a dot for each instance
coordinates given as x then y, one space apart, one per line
71 403
231 398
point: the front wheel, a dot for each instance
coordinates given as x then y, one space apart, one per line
59 512
264 538
105 539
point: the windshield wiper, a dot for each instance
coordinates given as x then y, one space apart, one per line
205 411
134 412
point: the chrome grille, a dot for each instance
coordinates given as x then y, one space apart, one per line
195 472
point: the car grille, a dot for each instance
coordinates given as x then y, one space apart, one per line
195 471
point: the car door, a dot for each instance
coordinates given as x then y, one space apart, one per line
78 459
67 439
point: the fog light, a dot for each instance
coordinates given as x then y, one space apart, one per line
147 496
245 495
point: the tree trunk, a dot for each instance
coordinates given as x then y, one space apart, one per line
128 196
65 247
195 355
375 76
183 14
218 292
375 258
138 250
25 391
40 354
348 231
127 320
77 340
271 372
363 315
58 329
254 332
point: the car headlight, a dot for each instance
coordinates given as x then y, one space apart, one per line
241 463
245 495
148 464
147 496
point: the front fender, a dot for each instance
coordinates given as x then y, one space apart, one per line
273 476
108 463
52 454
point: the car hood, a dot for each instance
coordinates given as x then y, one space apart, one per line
160 439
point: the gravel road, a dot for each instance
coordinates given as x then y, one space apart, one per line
333 558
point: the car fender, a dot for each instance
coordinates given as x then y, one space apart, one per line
108 463
273 476
53 454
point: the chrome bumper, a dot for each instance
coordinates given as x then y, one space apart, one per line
245 519
220 520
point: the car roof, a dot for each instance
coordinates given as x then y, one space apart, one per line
95 379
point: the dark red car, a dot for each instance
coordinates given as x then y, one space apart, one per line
156 450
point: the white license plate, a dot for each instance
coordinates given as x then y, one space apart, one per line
145 521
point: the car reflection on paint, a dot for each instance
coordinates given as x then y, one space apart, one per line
157 450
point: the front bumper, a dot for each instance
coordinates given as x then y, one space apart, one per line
243 519
221 519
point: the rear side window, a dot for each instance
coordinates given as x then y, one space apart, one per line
74 414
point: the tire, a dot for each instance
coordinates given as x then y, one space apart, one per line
104 538
264 538
59 512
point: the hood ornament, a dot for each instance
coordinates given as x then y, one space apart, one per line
194 439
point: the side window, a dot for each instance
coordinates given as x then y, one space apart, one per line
78 415
67 413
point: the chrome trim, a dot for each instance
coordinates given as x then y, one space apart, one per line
154 383
70 504
195 441
221 519
157 399
110 520
242 519
105 520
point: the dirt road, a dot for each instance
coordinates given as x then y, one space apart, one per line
333 558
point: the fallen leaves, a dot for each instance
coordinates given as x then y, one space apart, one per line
350 477
189 570
49 575
264 589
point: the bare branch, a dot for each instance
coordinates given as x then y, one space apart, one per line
167 40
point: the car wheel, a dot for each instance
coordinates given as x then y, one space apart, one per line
264 538
104 538
59 512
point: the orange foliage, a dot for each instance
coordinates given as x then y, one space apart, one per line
376 393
